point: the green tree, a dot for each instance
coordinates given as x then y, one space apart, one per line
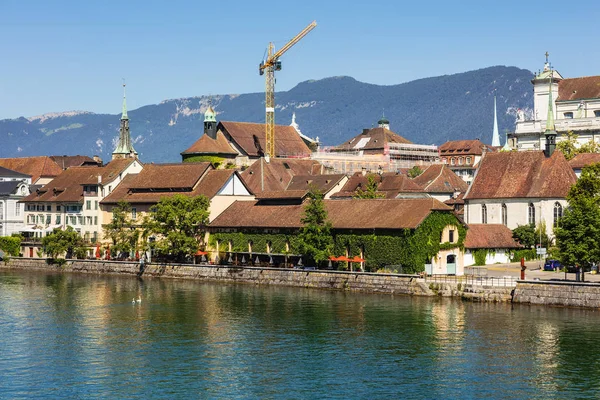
540 235
568 145
121 230
178 222
370 191
414 172
67 242
315 241
578 234
524 235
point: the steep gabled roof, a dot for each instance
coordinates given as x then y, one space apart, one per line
278 173
438 178
587 87
37 167
490 236
372 140
350 214
522 174
584 159
208 145
246 135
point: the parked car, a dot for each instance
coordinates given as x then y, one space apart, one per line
552 265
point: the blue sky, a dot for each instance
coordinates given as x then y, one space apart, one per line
72 55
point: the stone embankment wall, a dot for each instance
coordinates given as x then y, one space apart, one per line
567 294
336 280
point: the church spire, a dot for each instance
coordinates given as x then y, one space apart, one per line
124 148
495 134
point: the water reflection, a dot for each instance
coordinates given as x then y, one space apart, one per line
81 336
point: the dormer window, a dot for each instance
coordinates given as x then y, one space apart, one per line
597 113
568 115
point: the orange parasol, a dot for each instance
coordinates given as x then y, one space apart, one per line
357 259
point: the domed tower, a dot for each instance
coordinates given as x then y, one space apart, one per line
384 122
210 123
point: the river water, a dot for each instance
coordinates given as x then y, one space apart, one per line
80 336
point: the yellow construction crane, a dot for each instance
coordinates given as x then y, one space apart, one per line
268 68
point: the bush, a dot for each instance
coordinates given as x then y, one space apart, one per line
11 245
528 255
480 255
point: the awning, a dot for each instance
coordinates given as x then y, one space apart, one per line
357 259
30 228
201 253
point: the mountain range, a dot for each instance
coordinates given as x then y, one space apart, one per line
426 111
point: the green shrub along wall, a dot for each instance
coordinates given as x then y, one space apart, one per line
11 245
480 256
408 247
214 160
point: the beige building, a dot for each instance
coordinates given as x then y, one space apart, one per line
157 181
72 199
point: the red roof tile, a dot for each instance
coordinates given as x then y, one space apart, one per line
245 134
587 87
470 147
522 174
36 167
167 180
490 236
584 159
323 183
438 178
348 214
208 145
72 161
278 173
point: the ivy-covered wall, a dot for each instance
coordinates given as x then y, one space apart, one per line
407 247
216 161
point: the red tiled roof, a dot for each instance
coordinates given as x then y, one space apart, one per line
287 140
167 180
283 194
584 159
208 145
278 173
67 187
373 140
323 183
587 87
349 214
470 147
111 171
522 174
37 167
71 161
438 178
490 236
389 185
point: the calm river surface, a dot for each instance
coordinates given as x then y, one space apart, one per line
80 336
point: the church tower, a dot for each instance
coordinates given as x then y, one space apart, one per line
542 90
210 123
124 148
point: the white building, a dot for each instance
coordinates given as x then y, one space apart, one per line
575 108
14 186
519 188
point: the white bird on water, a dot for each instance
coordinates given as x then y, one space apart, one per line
139 300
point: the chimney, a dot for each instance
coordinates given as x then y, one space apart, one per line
99 179
364 171
98 160
365 131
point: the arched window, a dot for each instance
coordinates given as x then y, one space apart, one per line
484 214
558 213
504 215
531 212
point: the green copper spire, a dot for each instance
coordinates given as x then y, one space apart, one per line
124 115
550 119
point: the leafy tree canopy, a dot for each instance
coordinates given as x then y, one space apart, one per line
67 242
525 235
178 223
414 172
578 233
315 241
570 147
121 229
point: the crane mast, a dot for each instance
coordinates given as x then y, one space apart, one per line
268 68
